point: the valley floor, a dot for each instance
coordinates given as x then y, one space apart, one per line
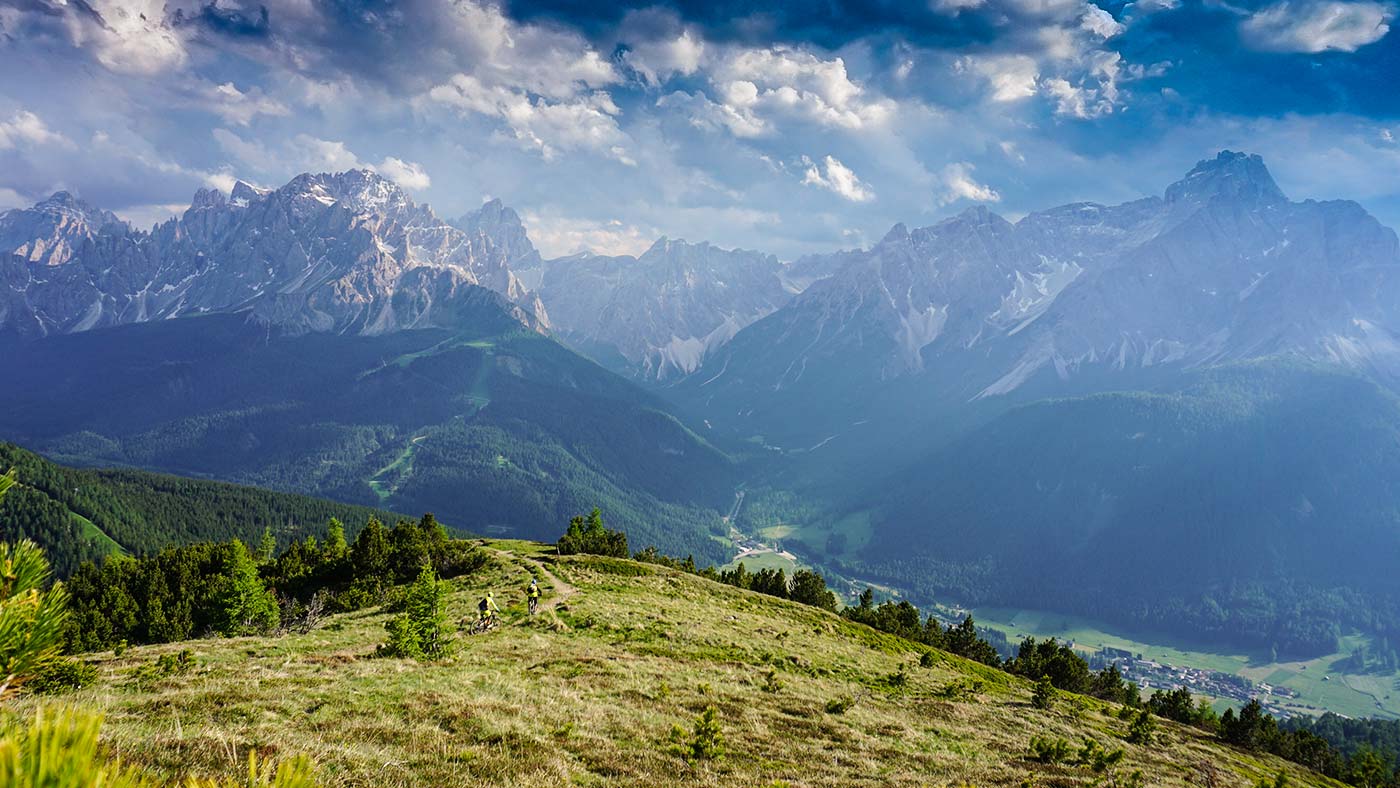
587 693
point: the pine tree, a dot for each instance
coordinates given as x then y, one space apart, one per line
1044 695
267 546
245 605
421 631
335 547
370 554
31 621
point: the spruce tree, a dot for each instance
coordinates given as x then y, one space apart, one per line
335 547
245 605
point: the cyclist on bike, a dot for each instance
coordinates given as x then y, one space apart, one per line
532 594
487 607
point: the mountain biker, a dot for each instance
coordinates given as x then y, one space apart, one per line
532 593
487 607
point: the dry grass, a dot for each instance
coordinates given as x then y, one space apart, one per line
587 692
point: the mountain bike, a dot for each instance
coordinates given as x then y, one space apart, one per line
482 625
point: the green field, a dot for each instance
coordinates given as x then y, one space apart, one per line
1322 683
765 560
817 536
92 532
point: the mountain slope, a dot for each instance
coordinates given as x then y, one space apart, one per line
80 515
490 425
588 691
1255 506
1222 267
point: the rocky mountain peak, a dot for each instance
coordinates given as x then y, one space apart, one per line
502 226
1231 176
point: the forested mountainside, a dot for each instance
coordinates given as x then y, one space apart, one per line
1254 506
492 426
85 515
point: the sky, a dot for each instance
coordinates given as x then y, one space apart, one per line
790 128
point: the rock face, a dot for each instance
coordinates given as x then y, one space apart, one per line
1222 267
348 253
665 311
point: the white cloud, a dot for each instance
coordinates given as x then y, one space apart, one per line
586 122
126 36
556 236
25 129
754 82
959 184
1012 77
9 198
1303 26
1100 23
407 174
236 106
1096 94
305 153
660 60
837 178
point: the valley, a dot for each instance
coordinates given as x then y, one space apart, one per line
1329 682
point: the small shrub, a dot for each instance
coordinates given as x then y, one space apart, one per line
421 631
898 679
1279 781
840 705
165 666
119 649
926 660
1094 757
706 742
772 683
1142 729
960 689
1044 695
61 675
1047 749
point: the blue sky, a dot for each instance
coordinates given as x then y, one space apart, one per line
789 128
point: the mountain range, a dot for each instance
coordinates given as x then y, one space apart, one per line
956 405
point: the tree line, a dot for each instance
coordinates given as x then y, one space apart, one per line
225 588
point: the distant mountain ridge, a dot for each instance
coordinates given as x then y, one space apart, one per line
666 310
348 253
1222 267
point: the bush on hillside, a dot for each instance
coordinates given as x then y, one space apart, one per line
421 632
61 675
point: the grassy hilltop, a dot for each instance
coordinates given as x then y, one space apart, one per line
589 690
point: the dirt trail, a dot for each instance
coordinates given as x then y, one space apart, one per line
560 589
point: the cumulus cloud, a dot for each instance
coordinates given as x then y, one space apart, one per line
1100 23
25 129
585 122
407 174
835 177
1097 94
959 184
1011 77
1301 26
305 153
658 60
